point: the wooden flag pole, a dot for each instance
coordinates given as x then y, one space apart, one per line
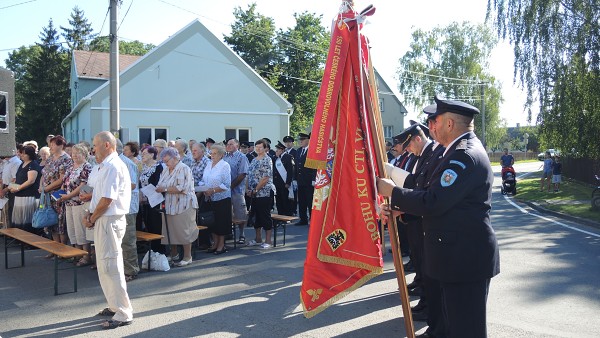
380 156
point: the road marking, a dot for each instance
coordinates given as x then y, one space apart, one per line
548 219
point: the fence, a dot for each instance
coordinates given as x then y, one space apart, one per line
581 169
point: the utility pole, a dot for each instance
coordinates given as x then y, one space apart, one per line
114 69
483 115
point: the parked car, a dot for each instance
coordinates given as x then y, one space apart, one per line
553 152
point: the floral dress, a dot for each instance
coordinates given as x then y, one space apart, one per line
256 171
74 178
51 172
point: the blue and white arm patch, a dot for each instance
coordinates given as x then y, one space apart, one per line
448 177
458 163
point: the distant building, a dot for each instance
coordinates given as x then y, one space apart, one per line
190 86
392 110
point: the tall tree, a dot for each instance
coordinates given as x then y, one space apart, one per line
78 35
102 44
451 61
556 44
303 49
46 96
253 39
17 62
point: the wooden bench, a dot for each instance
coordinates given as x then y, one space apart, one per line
234 225
142 236
281 221
59 251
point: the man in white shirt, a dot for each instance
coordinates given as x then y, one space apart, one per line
9 174
110 203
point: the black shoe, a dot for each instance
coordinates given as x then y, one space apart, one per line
412 285
420 316
415 292
425 335
419 307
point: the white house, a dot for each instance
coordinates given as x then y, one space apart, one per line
392 110
191 86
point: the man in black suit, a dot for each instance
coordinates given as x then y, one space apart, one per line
289 148
283 175
306 181
461 250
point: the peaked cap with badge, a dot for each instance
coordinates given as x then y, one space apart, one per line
442 106
280 145
407 134
288 139
302 136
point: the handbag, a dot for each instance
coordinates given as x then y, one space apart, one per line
44 216
205 218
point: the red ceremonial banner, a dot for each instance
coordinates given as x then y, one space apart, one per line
344 245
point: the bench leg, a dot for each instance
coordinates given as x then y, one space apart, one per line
284 230
55 275
22 254
275 226
75 278
5 253
149 258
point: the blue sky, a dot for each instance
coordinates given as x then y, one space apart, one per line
153 21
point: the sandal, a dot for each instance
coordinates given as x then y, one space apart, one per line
106 312
242 240
82 262
113 324
93 267
129 278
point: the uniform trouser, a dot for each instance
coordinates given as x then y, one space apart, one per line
435 314
108 235
402 236
464 307
305 196
414 231
282 200
129 246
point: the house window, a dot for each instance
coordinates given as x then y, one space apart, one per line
241 134
388 132
149 135
4 112
381 104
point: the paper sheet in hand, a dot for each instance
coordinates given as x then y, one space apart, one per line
3 202
153 197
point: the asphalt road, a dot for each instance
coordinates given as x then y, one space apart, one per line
549 286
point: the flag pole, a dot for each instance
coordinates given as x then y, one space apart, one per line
380 156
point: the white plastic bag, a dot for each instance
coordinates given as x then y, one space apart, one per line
159 262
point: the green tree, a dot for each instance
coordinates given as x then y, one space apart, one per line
80 32
451 61
102 44
303 51
17 62
45 96
556 44
253 39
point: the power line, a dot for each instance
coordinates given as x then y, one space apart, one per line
20 3
127 12
443 77
437 83
101 28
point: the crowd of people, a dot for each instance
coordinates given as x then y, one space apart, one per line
242 181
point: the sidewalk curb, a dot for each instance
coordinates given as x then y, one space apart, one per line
541 209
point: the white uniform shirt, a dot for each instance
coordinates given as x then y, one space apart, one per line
112 181
10 170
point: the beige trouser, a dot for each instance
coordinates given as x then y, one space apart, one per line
129 246
108 235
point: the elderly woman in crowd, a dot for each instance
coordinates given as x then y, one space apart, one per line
260 186
28 180
131 150
177 183
53 176
152 217
75 178
44 154
216 183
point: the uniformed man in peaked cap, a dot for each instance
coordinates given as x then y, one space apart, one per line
461 251
306 181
